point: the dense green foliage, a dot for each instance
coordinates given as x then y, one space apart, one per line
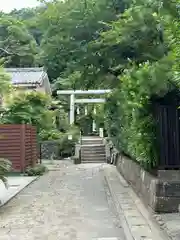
5 86
31 108
38 170
70 26
30 18
66 145
130 121
5 167
130 107
129 46
17 45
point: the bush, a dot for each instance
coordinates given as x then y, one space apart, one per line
66 145
30 108
38 170
5 167
52 134
129 111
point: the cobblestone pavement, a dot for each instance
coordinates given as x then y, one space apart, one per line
71 203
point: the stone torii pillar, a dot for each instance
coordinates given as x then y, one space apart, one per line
81 92
72 108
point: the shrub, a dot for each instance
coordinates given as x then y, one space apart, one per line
32 108
66 145
52 134
38 170
129 116
5 167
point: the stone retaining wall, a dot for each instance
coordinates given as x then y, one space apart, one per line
50 150
162 194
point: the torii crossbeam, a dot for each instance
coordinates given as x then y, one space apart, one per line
72 94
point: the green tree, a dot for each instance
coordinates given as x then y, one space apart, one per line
69 26
98 43
153 72
5 83
30 17
20 48
135 36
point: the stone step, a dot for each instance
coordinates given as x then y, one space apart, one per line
93 151
93 161
91 143
92 146
93 158
91 139
93 155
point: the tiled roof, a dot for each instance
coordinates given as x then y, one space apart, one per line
30 76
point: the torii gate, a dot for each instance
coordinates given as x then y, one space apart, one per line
73 100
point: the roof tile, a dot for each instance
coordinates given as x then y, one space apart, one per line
26 75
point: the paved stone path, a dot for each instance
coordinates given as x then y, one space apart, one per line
71 203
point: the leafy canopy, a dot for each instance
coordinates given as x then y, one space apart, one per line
17 45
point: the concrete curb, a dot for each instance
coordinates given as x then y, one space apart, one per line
153 217
159 221
146 219
119 210
19 190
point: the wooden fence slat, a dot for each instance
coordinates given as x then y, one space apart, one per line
18 143
168 135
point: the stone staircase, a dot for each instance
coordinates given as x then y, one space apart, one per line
92 150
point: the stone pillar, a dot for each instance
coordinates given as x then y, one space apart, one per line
101 132
94 126
86 111
94 123
72 101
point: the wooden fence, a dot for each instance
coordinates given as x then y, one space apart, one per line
168 135
18 143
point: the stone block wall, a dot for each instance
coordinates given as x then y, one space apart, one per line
161 193
77 150
109 149
50 150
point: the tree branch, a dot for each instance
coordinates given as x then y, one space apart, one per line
5 51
